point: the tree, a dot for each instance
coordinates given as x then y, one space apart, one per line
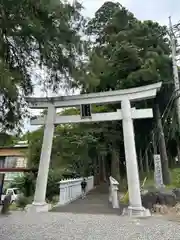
35 33
35 143
26 184
6 139
127 53
134 53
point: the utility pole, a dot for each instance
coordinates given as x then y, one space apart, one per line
173 39
175 68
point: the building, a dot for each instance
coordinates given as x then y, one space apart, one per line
13 162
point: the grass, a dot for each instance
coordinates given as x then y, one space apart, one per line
175 179
149 183
13 207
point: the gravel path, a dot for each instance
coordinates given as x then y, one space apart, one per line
68 226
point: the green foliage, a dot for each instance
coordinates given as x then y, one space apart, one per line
6 139
26 184
175 175
35 144
36 33
53 184
13 207
55 199
125 199
130 53
124 52
133 53
22 201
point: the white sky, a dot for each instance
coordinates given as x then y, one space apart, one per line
157 10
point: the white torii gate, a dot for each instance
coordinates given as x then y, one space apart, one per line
126 114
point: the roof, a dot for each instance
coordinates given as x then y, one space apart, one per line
4 170
12 151
14 146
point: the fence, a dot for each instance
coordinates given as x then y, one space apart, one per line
70 189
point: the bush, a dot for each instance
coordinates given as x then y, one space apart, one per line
175 177
125 199
53 184
26 184
13 207
55 199
22 201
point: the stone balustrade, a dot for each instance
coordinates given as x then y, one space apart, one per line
70 189
113 192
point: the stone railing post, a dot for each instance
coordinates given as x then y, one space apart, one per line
90 183
113 192
62 193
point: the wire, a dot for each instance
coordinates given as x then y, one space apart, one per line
170 103
166 111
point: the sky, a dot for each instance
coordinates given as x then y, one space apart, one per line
156 10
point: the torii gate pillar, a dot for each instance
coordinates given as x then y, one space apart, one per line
135 204
41 182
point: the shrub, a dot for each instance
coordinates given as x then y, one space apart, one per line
175 177
53 184
22 201
55 199
125 199
26 184
13 206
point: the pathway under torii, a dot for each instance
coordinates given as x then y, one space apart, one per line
126 114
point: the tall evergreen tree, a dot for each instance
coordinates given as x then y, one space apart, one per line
35 33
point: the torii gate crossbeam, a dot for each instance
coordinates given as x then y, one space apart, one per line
126 114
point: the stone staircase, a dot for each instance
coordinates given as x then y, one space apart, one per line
96 202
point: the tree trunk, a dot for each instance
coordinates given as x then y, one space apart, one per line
147 162
151 159
162 147
107 168
154 142
178 150
96 171
103 169
141 162
99 169
115 170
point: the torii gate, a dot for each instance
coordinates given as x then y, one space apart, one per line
126 114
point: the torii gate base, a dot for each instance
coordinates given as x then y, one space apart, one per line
126 114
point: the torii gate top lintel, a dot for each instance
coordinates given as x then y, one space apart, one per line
133 94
